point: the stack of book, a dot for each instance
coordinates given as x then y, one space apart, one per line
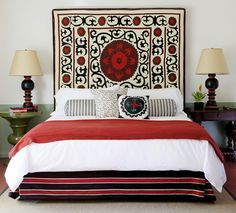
17 109
23 109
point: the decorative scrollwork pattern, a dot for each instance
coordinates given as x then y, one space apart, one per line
132 48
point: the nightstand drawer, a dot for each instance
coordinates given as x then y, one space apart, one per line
210 116
219 116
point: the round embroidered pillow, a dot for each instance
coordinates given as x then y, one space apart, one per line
133 107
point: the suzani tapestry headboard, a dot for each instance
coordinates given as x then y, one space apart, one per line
141 48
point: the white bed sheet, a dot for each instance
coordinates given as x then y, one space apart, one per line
179 116
124 155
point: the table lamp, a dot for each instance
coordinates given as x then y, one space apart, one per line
25 63
212 62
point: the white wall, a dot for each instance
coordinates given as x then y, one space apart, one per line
27 24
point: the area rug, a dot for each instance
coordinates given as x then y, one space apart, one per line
224 203
141 48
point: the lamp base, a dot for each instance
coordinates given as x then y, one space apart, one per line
211 107
211 84
28 85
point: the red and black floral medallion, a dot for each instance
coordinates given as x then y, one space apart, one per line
133 107
119 60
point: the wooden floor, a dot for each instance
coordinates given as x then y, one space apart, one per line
230 185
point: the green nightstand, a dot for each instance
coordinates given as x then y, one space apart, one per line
19 123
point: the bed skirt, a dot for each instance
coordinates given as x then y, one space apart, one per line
116 185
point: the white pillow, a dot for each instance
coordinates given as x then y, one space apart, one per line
172 93
65 94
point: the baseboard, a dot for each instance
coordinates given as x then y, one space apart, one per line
230 192
4 155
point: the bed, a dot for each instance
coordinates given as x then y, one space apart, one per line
118 130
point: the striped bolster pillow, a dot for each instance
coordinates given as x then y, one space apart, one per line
162 107
80 107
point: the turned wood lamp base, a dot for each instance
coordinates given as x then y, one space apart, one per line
27 85
211 84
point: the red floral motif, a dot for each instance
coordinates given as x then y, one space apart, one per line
172 77
172 21
81 31
134 104
156 60
102 21
172 49
136 21
66 50
81 60
157 32
65 21
119 60
66 78
157 86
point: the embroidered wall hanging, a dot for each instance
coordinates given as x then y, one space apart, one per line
96 48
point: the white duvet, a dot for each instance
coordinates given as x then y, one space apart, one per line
90 155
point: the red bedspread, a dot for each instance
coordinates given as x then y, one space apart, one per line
114 129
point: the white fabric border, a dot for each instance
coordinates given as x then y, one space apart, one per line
89 155
179 116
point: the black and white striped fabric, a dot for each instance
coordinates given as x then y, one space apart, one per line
80 107
162 107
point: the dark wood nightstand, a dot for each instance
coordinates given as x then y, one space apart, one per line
223 114
18 123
